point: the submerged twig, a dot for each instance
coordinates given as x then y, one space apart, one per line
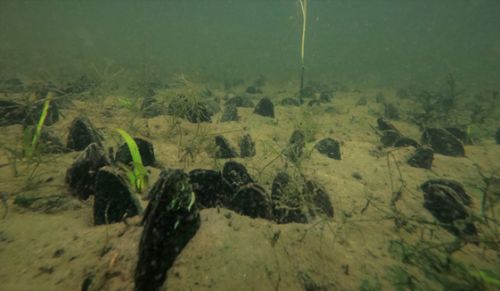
396 195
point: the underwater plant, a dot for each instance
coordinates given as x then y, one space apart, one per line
438 107
138 177
190 149
187 102
105 78
487 277
30 147
303 6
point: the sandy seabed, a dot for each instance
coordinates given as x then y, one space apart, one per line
368 245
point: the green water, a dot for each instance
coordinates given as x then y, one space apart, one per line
374 43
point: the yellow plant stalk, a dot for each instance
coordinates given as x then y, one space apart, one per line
303 6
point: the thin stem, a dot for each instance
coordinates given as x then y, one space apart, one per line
303 5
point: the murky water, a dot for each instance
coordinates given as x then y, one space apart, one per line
229 145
